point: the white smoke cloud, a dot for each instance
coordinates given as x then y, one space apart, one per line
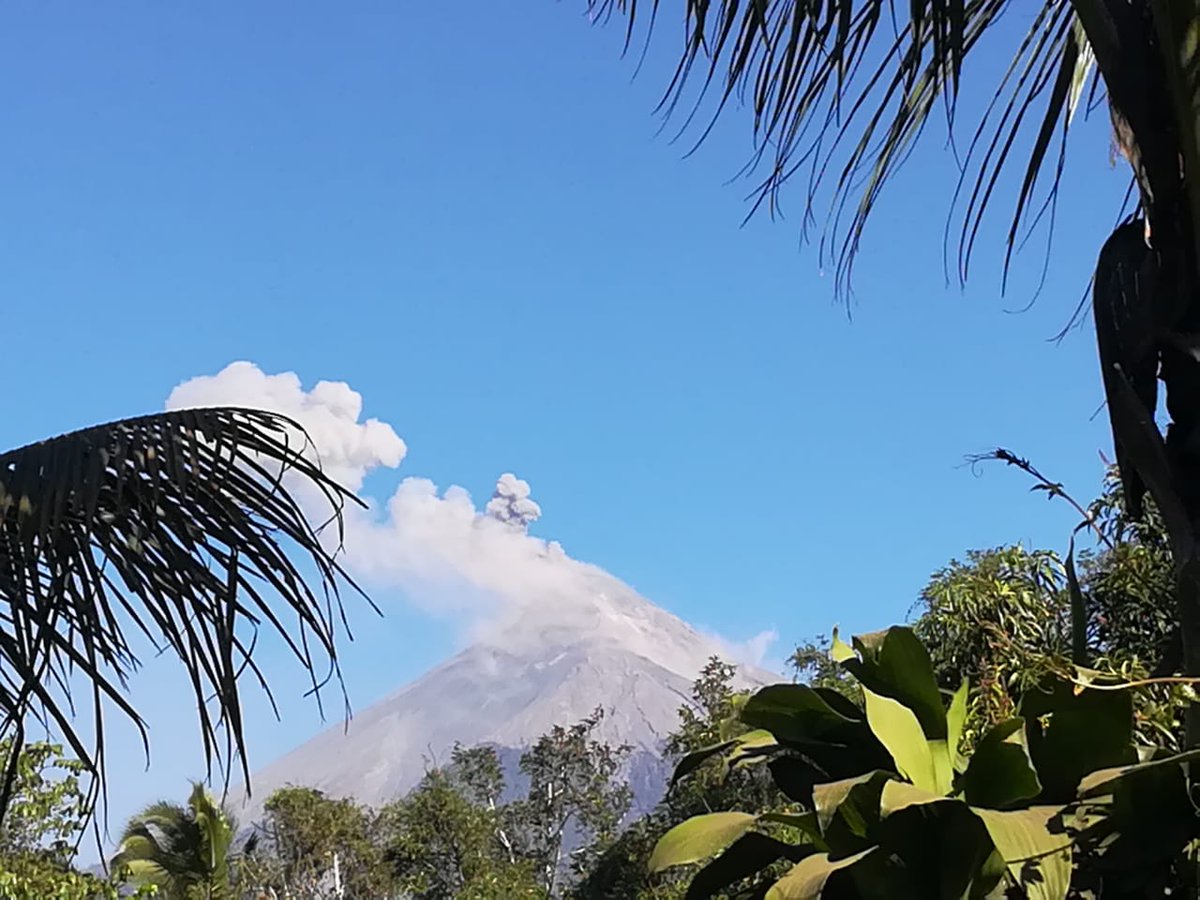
481 568
347 449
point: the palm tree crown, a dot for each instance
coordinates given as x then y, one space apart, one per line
185 851
173 526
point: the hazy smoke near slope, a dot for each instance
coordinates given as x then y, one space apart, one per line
480 567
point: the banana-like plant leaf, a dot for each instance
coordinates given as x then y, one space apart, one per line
1149 821
1105 781
1037 854
840 703
807 878
956 718
796 777
894 663
753 746
694 760
861 792
746 856
897 728
848 811
1037 857
1000 774
796 712
932 847
1071 734
699 838
898 795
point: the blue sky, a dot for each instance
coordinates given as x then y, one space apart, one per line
466 213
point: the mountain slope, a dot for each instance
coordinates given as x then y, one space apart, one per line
614 650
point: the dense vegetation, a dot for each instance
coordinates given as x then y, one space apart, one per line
1028 734
975 719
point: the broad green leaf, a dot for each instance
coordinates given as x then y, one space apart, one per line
750 747
934 846
699 838
848 810
894 663
795 777
804 822
829 796
807 878
1073 734
748 855
697 758
898 795
989 876
956 717
795 712
1000 773
1037 857
1150 817
943 766
841 703
899 731
839 650
1104 781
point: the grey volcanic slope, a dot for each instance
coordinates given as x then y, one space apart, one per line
617 651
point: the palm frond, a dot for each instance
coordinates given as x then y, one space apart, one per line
842 89
175 526
180 849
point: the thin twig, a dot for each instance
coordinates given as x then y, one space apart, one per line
1052 488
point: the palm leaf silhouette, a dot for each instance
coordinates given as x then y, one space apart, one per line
173 526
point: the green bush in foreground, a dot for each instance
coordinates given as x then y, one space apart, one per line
1055 798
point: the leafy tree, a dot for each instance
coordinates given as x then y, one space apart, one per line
843 89
621 870
168 525
574 796
451 837
47 817
1003 619
48 809
456 834
26 876
187 853
306 837
814 666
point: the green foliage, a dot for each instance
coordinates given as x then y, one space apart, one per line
449 838
302 832
1058 789
33 876
187 853
574 795
48 809
456 835
711 785
815 667
1002 619
47 815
